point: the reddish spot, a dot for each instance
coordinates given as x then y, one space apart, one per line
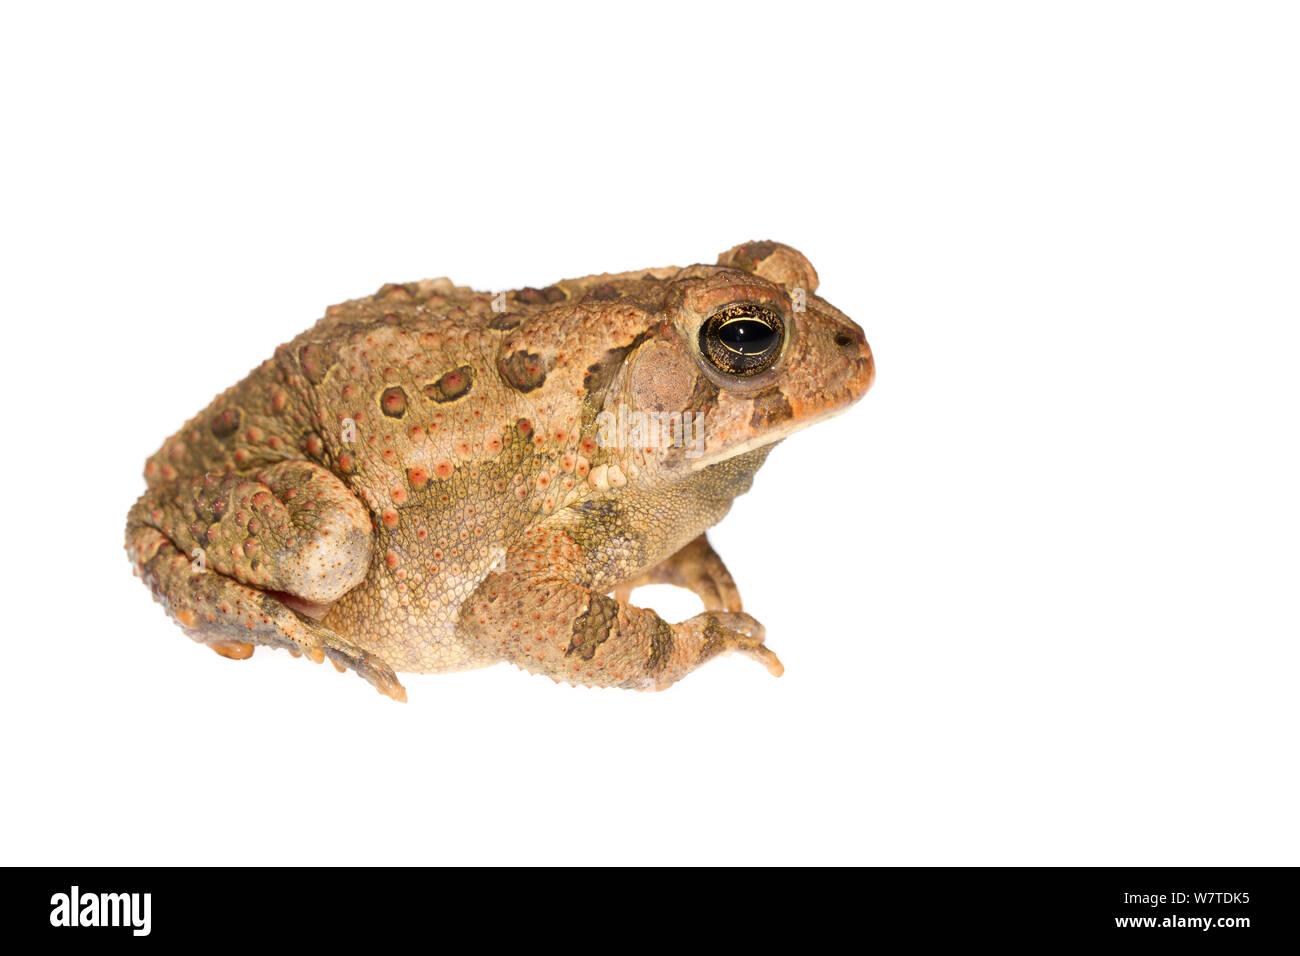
525 426
347 461
394 401
390 559
226 422
278 401
389 518
443 469
417 476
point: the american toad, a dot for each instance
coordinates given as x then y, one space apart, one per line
432 478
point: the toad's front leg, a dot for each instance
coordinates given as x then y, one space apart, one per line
696 567
539 612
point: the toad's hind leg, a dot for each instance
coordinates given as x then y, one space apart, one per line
234 558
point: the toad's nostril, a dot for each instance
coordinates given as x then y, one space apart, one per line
843 340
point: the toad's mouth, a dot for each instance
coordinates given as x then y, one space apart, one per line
766 438
791 414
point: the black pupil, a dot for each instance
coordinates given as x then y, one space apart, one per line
748 336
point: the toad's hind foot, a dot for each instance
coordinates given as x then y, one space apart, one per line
233 650
272 548
232 618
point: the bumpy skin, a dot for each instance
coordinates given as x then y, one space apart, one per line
424 481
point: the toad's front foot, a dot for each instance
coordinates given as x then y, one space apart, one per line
721 632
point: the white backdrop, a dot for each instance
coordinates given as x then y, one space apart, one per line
1036 595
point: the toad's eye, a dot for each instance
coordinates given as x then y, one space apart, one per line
742 339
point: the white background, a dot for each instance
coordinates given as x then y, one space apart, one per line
1036 595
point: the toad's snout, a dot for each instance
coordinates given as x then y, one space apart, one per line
854 365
